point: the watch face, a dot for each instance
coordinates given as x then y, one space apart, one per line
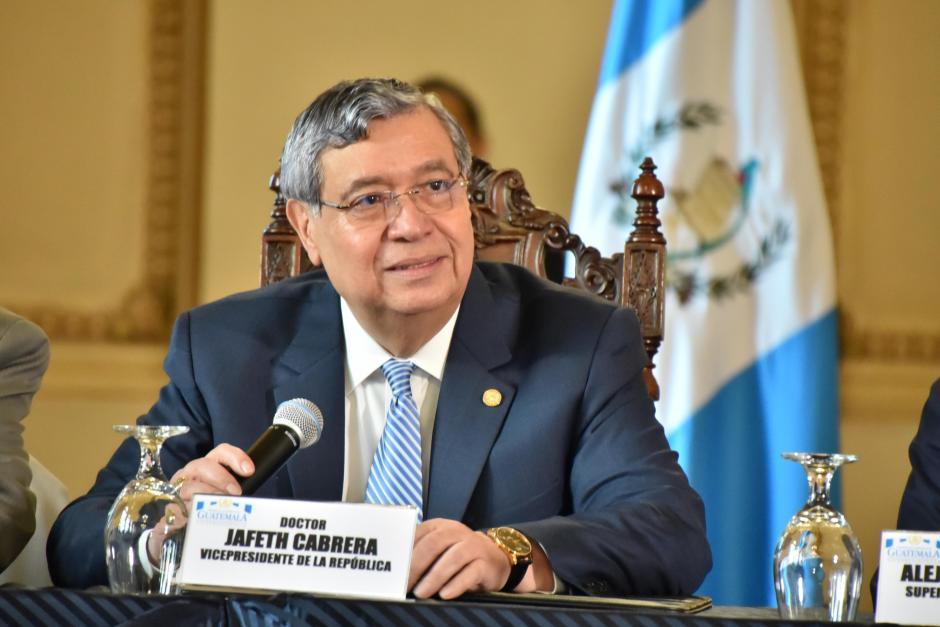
514 541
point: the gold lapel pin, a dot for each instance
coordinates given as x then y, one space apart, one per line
492 397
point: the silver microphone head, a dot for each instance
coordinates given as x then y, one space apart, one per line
302 417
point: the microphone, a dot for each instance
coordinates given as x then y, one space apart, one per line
298 423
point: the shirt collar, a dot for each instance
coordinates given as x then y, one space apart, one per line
364 355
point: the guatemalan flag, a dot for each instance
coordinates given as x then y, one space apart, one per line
711 89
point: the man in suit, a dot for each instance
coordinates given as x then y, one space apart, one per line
526 400
24 356
920 504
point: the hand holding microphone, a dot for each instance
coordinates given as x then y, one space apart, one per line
298 424
227 469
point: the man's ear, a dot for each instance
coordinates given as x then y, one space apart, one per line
301 219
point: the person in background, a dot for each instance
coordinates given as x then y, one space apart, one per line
24 356
460 105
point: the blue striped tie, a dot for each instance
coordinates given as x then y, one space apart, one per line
395 478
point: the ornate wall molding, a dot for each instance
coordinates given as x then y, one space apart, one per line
821 31
887 345
176 67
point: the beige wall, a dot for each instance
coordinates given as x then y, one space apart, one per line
73 111
891 152
75 183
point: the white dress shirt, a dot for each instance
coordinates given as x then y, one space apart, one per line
368 396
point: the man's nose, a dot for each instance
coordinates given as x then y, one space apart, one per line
398 203
407 219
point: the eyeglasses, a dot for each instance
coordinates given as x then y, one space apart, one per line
430 197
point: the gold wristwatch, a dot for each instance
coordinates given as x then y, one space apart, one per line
517 548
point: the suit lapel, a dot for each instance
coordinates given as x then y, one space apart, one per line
465 427
312 368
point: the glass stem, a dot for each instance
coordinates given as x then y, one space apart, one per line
820 479
150 458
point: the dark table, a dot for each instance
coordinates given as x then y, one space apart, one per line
56 606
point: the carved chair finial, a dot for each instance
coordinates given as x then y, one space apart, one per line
647 191
644 268
282 256
274 183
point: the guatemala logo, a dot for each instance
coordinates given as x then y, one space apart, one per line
222 511
720 240
913 546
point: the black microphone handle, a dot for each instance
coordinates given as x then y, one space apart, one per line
269 452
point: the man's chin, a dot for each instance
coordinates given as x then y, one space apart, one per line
425 302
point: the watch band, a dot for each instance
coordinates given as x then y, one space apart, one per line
516 572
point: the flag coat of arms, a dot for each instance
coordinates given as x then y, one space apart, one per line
711 90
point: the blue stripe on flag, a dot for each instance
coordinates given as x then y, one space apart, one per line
785 401
635 26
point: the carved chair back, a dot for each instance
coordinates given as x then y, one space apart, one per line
509 227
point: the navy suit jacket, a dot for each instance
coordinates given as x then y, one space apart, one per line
920 504
572 456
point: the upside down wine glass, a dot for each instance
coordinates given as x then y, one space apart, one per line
144 534
817 562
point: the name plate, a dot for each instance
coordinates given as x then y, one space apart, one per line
341 549
909 578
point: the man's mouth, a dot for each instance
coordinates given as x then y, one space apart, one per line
414 264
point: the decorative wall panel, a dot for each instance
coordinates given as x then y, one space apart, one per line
171 199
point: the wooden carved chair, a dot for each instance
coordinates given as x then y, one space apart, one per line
509 227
